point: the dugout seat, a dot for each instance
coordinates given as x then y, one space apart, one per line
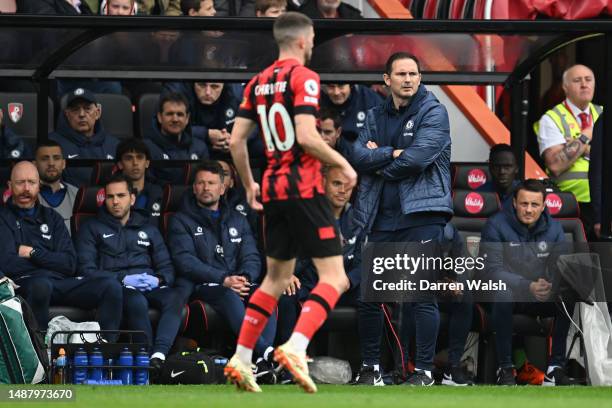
102 172
147 106
86 205
563 206
472 210
21 113
170 204
470 176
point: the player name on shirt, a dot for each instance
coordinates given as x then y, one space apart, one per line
269 89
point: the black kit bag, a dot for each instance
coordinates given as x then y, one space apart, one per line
192 367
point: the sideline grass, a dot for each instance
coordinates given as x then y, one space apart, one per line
330 396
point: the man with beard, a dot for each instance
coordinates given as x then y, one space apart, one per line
213 246
133 159
54 193
120 244
37 254
404 195
284 99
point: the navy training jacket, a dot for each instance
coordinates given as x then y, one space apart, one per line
106 248
206 250
45 231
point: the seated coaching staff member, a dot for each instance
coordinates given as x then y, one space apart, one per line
37 253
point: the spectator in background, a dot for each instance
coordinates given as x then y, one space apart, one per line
170 137
159 7
242 8
12 146
235 196
213 246
37 254
352 103
329 9
50 162
81 136
61 7
133 160
213 107
520 245
118 7
328 125
198 8
504 170
119 244
564 135
270 8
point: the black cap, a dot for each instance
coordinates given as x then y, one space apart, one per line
81 94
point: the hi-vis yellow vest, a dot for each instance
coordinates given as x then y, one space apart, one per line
576 178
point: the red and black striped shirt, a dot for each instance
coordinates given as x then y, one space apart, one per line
273 97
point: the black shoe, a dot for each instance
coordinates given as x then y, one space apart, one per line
420 378
456 376
556 377
369 376
264 372
283 376
156 365
506 376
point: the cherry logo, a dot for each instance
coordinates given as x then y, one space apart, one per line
474 203
100 197
554 203
476 178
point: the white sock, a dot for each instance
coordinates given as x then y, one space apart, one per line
425 371
244 354
376 367
551 368
299 342
266 353
159 355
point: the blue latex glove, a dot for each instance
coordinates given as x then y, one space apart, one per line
136 281
151 281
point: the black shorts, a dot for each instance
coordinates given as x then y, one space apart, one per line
303 228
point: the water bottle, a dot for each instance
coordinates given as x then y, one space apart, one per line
60 368
126 359
80 366
97 360
103 382
142 360
109 370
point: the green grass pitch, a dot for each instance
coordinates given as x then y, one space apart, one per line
331 396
